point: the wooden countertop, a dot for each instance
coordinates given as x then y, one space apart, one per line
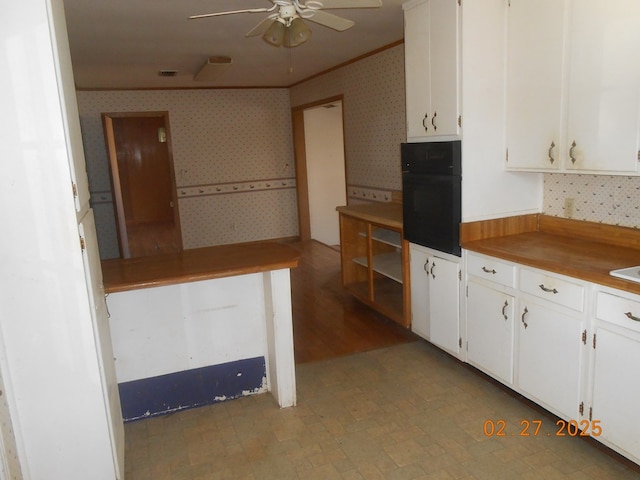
120 275
584 250
383 214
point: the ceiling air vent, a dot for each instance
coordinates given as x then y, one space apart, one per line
167 73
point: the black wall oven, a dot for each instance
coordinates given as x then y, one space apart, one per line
431 194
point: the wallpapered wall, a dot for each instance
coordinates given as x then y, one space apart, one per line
233 159
613 200
374 115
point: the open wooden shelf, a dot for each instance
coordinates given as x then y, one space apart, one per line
375 262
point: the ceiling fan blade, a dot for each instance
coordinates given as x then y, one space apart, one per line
330 20
350 3
260 28
231 12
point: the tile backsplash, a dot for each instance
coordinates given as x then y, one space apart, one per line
613 200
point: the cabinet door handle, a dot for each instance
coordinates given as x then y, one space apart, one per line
486 270
550 153
523 315
504 308
425 266
424 122
573 146
433 121
433 265
548 290
630 316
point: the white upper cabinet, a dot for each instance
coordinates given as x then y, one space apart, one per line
432 42
604 86
534 80
573 86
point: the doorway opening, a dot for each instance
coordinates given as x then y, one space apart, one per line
143 183
318 132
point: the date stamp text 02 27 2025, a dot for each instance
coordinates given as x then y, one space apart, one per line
532 428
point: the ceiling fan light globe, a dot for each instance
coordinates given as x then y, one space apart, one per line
297 33
275 34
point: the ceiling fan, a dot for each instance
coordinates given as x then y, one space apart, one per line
285 26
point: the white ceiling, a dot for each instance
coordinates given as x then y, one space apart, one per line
119 44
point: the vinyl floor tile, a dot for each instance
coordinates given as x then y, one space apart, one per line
407 411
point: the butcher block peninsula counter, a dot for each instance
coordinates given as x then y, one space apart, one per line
375 258
201 326
120 275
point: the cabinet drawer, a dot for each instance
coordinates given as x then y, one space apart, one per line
618 310
491 269
552 288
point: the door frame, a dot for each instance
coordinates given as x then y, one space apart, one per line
300 158
116 188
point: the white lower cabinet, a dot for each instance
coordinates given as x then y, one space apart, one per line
616 383
571 346
549 357
435 297
490 330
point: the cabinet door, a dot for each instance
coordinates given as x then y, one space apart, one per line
550 357
616 389
444 307
444 58
418 268
490 330
416 51
432 69
604 86
534 84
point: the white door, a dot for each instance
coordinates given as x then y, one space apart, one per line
550 357
324 145
444 69
444 288
416 51
534 83
604 85
616 388
418 268
93 272
490 330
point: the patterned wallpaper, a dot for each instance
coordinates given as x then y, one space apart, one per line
613 200
374 115
233 158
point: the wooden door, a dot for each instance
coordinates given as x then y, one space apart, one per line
143 180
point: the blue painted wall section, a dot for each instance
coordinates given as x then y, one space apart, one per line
191 388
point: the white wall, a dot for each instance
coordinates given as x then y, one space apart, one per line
489 191
48 353
324 145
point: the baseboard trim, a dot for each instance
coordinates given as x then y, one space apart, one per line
169 393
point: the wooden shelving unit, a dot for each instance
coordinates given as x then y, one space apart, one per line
375 258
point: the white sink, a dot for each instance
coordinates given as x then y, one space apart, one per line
631 273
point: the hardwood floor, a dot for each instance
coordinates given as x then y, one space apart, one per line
327 321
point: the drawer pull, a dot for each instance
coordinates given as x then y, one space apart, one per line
504 307
548 290
630 316
523 315
426 264
486 270
433 265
